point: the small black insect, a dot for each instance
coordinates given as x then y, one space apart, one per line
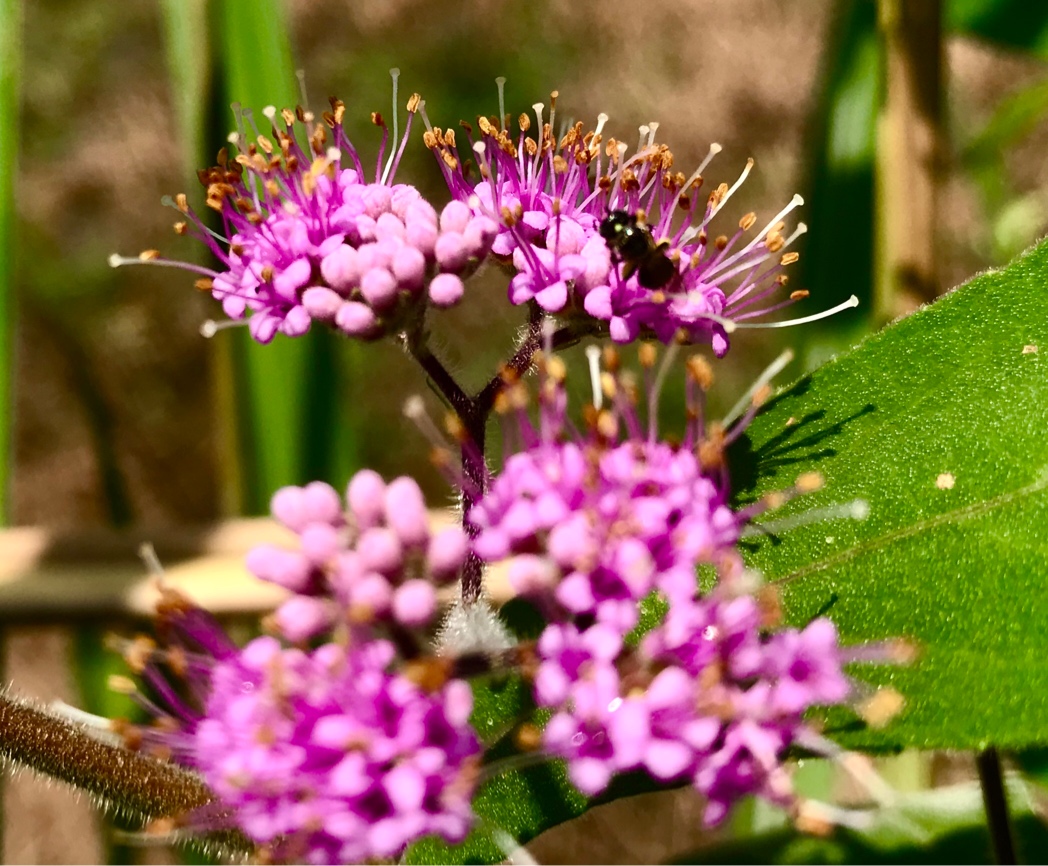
631 243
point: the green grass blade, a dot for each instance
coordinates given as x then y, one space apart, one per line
10 70
288 387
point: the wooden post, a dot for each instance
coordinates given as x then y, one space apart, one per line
909 157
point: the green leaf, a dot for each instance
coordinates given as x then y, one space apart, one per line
1012 23
939 423
945 825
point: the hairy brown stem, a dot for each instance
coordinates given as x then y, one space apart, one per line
125 781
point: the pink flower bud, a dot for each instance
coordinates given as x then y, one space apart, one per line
446 290
366 497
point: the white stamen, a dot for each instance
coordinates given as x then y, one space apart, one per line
642 131
602 118
653 127
500 83
425 119
147 553
210 327
538 108
515 853
549 328
770 372
715 148
593 356
801 229
742 178
853 301
414 408
692 231
333 154
300 75
415 411
656 389
857 509
479 148
269 112
394 73
828 814
116 260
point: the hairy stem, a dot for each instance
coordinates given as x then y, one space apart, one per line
122 779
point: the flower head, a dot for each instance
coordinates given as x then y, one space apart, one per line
701 698
308 234
592 522
352 743
558 199
373 561
333 757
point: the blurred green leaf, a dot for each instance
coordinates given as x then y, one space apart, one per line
292 391
189 68
944 825
1015 117
1011 23
10 109
839 200
938 422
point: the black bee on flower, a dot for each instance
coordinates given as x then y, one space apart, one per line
631 243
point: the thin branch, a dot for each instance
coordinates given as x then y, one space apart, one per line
995 802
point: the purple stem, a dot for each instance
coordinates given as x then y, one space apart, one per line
474 412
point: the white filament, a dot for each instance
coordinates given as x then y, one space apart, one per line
857 509
853 301
500 82
731 191
394 73
593 356
770 372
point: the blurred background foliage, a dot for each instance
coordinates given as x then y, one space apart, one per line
122 414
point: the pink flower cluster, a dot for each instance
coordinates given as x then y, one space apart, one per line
590 524
354 742
551 196
710 696
305 239
328 757
378 562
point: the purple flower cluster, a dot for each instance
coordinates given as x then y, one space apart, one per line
710 696
331 757
592 523
305 239
378 562
550 197
343 735
354 743
597 524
